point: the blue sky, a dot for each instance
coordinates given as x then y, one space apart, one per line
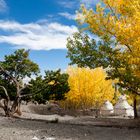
41 26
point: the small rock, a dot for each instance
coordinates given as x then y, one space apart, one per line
50 138
52 134
35 138
43 138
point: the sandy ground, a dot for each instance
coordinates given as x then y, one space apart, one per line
31 125
76 129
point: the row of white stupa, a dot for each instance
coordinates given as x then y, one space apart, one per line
121 108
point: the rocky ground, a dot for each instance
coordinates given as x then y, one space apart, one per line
77 129
54 127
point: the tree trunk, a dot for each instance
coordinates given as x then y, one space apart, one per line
6 103
7 111
115 93
10 110
135 108
16 106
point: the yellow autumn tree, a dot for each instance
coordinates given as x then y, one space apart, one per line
120 20
88 88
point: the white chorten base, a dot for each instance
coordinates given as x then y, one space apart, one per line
124 112
107 112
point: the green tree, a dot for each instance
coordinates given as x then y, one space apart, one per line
13 69
52 86
86 52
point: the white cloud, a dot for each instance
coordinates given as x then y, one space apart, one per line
3 6
89 3
67 3
36 36
76 4
26 80
68 15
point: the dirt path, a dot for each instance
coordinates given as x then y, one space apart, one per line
18 129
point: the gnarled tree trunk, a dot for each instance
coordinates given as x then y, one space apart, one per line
16 106
9 109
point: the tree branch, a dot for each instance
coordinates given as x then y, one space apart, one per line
6 93
1 105
134 91
7 74
31 94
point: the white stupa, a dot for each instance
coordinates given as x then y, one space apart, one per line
123 108
107 108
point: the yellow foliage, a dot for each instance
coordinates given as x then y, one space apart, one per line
122 22
51 83
131 97
88 88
